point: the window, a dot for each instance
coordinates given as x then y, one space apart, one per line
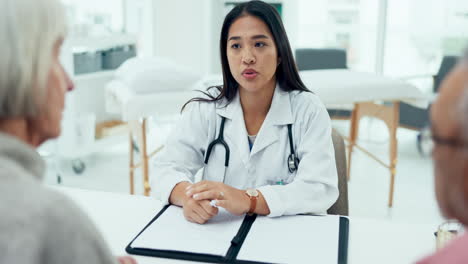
345 24
107 29
420 32
417 33
95 18
229 5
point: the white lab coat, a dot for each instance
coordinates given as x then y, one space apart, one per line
312 188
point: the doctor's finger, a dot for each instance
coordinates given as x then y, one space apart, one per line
196 218
189 218
199 187
212 211
202 213
190 213
209 195
223 203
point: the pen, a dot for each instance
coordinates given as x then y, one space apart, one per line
213 203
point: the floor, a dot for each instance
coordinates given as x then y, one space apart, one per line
414 201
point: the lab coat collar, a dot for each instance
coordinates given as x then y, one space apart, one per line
279 114
235 130
229 110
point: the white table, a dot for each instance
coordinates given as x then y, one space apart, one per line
120 217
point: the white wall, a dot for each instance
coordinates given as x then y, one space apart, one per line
291 22
215 22
139 21
185 31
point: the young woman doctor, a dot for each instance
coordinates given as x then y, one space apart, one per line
263 139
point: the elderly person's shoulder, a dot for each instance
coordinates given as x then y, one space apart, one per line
39 218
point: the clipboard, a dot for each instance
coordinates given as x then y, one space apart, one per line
235 244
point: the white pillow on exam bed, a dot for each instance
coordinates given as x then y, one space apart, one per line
150 75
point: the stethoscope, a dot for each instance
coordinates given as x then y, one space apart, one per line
293 161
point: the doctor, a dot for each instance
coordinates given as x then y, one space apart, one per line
263 139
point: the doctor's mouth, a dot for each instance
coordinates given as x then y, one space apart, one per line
249 74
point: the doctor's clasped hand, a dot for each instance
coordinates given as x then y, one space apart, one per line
197 211
233 200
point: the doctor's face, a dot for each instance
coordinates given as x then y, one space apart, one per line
252 54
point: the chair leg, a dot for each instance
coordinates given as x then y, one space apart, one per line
393 149
131 165
138 129
144 159
352 137
393 162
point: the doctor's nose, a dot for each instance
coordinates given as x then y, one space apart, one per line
248 57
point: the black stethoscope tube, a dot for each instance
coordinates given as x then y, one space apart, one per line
219 140
293 161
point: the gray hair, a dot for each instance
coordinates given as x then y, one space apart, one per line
29 29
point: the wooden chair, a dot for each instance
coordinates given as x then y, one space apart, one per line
340 207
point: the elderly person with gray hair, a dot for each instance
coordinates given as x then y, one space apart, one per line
37 225
449 134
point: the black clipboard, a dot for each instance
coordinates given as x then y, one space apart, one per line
236 244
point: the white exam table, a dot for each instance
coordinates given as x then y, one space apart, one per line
363 93
135 109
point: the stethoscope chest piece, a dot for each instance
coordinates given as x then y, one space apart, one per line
292 163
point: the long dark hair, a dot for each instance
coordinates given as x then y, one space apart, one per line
286 73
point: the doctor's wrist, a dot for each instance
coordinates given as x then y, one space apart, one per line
245 201
178 196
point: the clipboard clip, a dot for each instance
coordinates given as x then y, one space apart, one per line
236 240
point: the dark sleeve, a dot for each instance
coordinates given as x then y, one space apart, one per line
71 237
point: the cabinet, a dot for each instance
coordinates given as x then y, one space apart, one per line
85 105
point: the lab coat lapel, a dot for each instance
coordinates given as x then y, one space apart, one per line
279 114
235 130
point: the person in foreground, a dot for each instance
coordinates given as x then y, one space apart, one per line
262 138
449 133
37 224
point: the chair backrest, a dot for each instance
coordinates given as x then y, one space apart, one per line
448 62
319 59
340 207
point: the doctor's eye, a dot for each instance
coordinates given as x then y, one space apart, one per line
235 46
260 44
